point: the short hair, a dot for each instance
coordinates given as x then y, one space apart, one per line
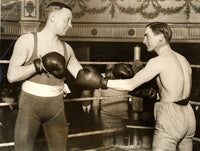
55 6
161 28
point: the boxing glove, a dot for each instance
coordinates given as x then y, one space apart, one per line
38 65
54 63
148 90
122 71
148 93
90 78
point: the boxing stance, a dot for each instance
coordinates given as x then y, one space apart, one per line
175 120
40 60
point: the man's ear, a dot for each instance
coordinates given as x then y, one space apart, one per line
52 17
161 37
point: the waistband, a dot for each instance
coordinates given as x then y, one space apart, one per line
42 89
183 102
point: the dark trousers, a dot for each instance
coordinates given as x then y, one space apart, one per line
34 111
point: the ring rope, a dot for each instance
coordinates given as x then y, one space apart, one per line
194 103
90 98
95 133
72 99
84 62
7 144
100 63
4 61
139 127
75 135
196 139
97 98
8 103
104 63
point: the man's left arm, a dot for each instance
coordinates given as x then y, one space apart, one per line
73 65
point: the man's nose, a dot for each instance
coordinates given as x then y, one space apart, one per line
144 41
70 24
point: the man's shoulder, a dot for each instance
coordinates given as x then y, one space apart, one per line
157 63
25 40
69 49
26 37
179 55
155 60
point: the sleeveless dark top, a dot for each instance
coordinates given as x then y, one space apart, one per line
43 78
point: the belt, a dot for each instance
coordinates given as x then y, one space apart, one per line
183 102
42 89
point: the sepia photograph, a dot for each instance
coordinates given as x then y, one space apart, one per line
100 75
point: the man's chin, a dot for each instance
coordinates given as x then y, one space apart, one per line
63 34
149 49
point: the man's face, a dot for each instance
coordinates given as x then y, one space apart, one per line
151 40
63 20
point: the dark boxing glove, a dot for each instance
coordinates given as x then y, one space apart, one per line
54 63
90 78
147 93
148 90
38 65
122 71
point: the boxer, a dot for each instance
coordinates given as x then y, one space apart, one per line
175 119
40 60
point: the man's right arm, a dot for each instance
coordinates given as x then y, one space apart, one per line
152 69
16 70
86 77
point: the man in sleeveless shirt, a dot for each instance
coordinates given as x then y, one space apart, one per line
175 120
41 60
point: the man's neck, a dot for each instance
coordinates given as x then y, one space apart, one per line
162 49
51 36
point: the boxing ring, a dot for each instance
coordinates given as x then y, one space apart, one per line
89 133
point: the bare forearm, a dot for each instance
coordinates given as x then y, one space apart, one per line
130 84
20 73
120 85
